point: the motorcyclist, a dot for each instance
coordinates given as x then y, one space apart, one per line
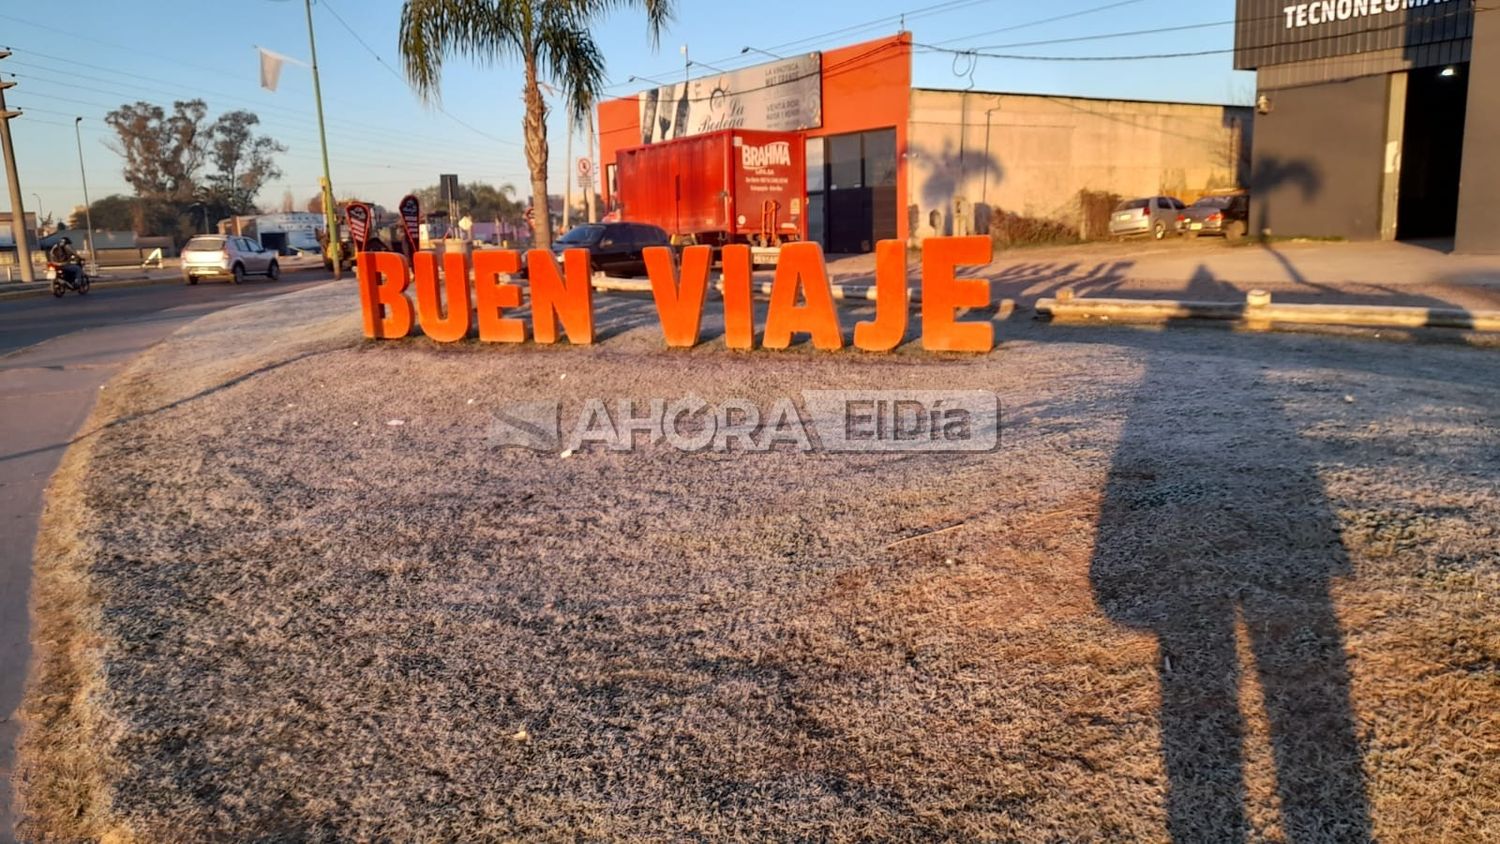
65 258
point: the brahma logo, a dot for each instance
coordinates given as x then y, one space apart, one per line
778 152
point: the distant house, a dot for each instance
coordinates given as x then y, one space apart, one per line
284 233
115 248
8 236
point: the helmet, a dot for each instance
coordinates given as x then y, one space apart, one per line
65 241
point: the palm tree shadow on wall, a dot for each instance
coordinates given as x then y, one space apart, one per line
1202 531
1271 175
949 170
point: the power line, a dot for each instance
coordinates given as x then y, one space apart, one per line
1194 53
325 4
1105 36
281 124
267 110
132 49
1042 21
899 18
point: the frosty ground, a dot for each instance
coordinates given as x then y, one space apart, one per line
1212 586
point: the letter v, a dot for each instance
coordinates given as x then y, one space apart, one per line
680 306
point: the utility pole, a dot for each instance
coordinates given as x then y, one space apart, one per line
330 215
568 181
592 189
17 208
88 210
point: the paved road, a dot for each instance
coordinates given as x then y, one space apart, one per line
54 356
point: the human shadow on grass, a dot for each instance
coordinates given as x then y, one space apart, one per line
1205 527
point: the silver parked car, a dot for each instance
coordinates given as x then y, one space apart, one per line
1152 215
227 256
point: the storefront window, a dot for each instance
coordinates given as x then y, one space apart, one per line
815 218
845 164
814 164
880 158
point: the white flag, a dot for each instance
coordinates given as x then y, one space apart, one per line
270 68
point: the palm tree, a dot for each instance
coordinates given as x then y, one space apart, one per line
550 37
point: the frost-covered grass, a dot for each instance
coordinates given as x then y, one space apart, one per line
1211 585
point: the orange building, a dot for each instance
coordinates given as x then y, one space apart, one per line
856 140
887 160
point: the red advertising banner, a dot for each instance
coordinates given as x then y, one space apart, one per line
359 218
411 220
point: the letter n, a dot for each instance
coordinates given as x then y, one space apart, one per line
568 298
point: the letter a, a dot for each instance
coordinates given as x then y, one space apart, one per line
801 267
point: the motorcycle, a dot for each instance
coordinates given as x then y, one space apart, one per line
62 280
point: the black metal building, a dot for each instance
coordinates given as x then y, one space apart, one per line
1377 119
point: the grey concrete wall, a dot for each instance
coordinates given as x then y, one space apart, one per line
1479 184
1319 161
1032 154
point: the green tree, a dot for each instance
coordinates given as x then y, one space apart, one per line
479 200
244 162
550 38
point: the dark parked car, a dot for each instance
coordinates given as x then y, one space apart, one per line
1228 215
615 249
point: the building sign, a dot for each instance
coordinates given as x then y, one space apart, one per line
785 95
1272 32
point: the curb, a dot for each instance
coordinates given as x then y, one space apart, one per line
1258 311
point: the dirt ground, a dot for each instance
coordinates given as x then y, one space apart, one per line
1212 586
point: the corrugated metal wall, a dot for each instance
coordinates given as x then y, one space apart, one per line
1312 72
1277 32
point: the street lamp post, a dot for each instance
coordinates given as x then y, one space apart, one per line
88 209
330 216
744 50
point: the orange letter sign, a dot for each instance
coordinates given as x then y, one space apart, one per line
680 308
455 326
801 265
492 296
383 278
943 295
888 328
569 298
739 314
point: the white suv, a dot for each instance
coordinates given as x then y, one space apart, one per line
222 256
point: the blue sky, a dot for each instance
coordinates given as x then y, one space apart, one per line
384 141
